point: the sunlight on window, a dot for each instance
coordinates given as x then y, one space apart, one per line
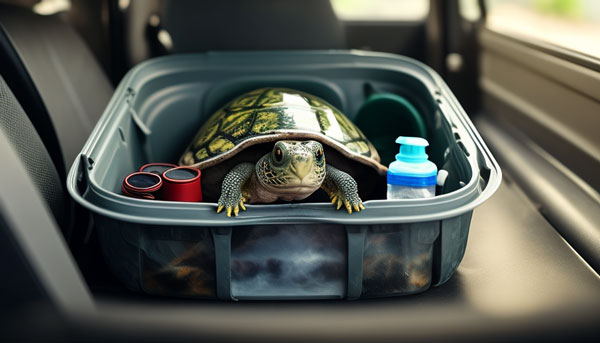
572 24
469 9
381 10
48 7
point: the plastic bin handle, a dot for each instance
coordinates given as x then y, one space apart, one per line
356 248
222 241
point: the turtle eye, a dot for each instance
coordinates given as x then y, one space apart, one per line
319 154
278 155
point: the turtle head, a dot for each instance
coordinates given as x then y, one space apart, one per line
292 167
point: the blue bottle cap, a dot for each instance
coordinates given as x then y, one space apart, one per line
412 149
411 167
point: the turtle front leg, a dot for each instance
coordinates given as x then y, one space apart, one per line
342 189
232 198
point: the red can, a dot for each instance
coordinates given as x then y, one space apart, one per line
181 184
142 185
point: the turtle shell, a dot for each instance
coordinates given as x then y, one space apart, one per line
272 114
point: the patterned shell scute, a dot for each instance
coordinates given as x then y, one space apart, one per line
269 111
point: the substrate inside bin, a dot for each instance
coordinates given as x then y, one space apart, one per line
177 262
288 261
278 261
398 259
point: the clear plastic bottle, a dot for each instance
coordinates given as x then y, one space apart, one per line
411 175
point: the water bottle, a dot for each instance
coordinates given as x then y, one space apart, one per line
411 175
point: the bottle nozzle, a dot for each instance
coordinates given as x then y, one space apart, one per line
412 149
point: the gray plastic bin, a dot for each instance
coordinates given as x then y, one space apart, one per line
276 251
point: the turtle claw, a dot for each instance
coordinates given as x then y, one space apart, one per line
228 209
351 205
231 209
233 195
234 208
347 205
351 201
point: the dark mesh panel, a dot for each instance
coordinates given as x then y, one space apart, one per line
15 124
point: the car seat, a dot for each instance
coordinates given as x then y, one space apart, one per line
55 78
40 272
199 26
60 92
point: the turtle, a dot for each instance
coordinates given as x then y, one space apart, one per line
299 131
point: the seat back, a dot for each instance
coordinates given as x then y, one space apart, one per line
197 26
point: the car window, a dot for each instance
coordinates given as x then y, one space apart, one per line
381 10
571 24
469 9
49 7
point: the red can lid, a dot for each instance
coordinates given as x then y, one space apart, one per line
142 182
181 175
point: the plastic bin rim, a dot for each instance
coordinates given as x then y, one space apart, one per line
159 212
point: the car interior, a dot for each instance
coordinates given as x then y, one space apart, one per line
532 262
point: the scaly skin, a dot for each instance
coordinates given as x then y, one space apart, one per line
231 190
342 189
292 171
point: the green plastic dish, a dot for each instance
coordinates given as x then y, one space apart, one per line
401 118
